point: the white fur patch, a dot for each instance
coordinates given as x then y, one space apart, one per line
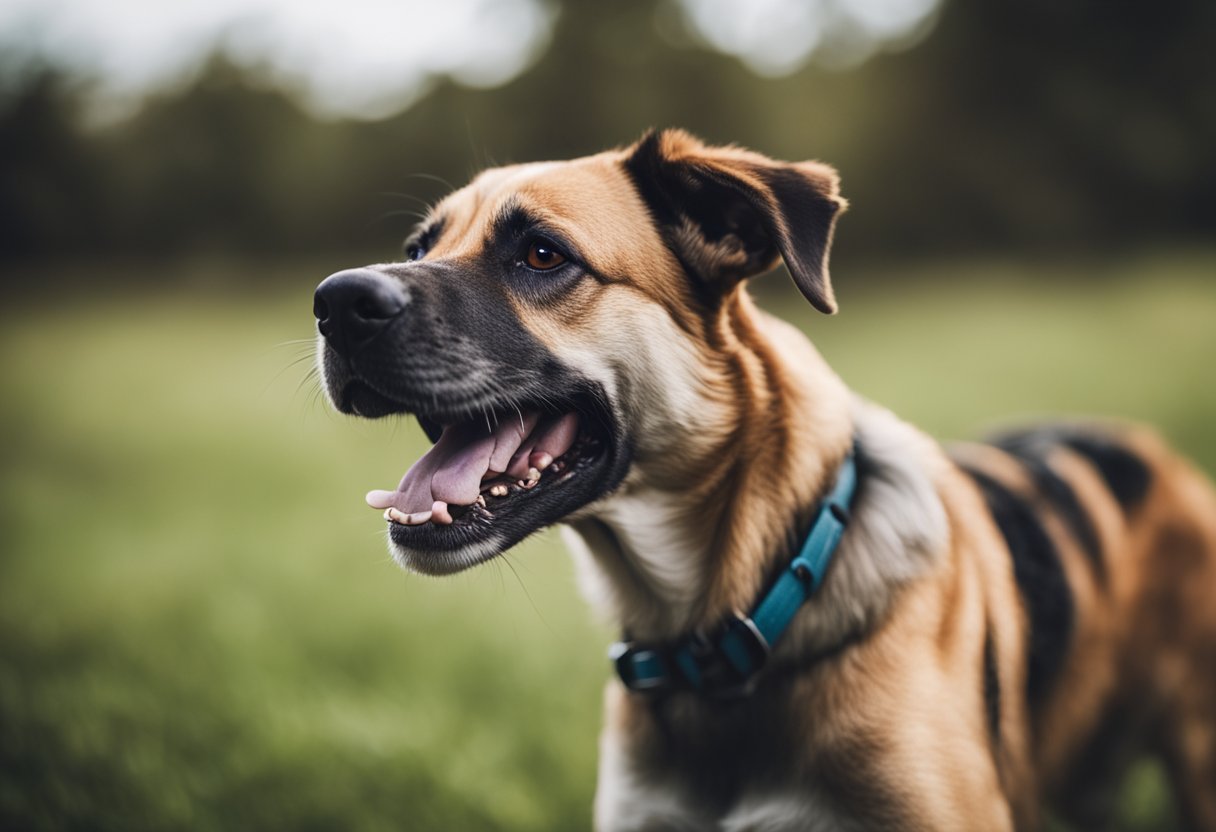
661 545
446 563
656 550
785 812
625 802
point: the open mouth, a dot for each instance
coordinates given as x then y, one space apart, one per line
489 481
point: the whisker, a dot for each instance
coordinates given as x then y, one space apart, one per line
432 177
403 212
506 558
399 195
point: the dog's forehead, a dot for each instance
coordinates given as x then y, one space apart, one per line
591 200
595 205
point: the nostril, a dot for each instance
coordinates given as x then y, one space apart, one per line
370 309
353 306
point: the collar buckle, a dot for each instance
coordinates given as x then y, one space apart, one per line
642 669
724 666
735 659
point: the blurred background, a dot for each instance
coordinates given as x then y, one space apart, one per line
199 624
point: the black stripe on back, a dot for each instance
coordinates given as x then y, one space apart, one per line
1032 449
992 690
1127 476
1041 583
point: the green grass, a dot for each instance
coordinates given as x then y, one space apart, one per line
199 624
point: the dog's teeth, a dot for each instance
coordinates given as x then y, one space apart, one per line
533 475
416 519
498 490
481 501
394 515
541 461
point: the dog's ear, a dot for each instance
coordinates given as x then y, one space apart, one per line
728 213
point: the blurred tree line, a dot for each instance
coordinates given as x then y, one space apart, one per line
1012 126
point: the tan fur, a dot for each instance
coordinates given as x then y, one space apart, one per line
873 715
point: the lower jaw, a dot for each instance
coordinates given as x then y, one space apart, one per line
479 535
441 550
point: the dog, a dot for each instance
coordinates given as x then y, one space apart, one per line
829 621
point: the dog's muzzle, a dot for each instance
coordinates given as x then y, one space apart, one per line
521 440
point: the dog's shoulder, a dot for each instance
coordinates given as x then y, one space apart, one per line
898 530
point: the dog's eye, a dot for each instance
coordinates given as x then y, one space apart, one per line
414 251
542 256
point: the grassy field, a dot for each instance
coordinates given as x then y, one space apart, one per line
200 627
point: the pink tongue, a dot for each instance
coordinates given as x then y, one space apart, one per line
452 470
551 439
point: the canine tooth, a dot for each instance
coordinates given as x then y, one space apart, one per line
481 501
418 518
533 476
541 461
498 490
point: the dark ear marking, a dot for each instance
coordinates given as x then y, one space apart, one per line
728 214
808 222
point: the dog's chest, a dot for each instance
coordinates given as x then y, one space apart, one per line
631 798
743 769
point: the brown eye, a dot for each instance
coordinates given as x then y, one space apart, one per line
542 256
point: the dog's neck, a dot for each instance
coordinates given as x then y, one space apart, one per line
693 534
696 535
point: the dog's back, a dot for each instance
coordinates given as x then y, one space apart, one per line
1112 538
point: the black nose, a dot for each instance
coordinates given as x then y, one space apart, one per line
353 306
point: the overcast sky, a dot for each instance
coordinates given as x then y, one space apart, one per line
369 58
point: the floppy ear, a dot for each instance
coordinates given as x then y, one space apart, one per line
728 213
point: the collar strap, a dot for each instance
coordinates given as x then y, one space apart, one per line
726 664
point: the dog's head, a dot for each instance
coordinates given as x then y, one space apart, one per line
557 328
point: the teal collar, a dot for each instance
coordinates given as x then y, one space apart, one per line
727 664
